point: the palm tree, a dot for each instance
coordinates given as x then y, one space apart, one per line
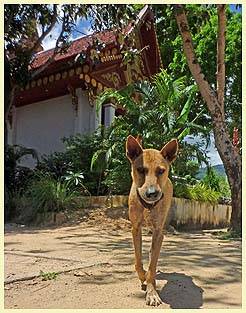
161 106
158 110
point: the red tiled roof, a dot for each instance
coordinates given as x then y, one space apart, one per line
81 44
76 47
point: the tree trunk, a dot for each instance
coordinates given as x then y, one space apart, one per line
215 103
236 217
9 93
233 168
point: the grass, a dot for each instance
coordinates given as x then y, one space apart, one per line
48 275
229 235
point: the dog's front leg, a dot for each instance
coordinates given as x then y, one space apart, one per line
137 241
152 297
136 218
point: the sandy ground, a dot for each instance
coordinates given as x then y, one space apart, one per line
95 265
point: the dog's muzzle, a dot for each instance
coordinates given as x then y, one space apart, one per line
151 195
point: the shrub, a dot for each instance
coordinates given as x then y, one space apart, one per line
216 182
16 177
199 192
225 190
76 158
158 110
211 179
75 181
12 201
48 195
56 164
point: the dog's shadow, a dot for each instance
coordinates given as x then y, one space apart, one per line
180 292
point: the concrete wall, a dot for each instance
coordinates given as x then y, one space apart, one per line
86 120
43 124
109 114
184 214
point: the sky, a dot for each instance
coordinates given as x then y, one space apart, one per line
235 9
83 27
211 151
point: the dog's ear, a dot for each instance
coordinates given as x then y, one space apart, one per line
170 150
133 148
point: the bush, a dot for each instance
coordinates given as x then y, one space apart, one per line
16 177
211 179
158 110
199 192
76 158
12 201
56 164
49 195
216 182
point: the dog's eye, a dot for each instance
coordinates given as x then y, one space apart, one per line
141 170
160 171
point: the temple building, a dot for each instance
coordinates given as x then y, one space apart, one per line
60 101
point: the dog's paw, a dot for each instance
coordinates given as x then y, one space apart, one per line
152 298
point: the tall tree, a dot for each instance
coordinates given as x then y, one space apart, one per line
203 21
214 99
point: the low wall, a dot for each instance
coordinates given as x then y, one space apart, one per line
191 214
184 213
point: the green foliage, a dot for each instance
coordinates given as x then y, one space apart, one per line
228 235
99 161
48 275
16 177
217 183
76 158
189 159
212 188
57 164
164 107
12 204
211 179
20 24
203 21
48 195
158 110
199 192
74 181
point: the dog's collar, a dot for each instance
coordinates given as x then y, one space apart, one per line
148 205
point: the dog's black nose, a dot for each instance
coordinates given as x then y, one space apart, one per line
151 192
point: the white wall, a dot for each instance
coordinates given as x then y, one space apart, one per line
41 125
109 114
86 120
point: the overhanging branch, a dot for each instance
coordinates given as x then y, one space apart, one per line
46 32
55 51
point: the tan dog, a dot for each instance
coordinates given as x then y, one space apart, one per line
151 190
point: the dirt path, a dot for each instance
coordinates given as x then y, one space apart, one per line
96 263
